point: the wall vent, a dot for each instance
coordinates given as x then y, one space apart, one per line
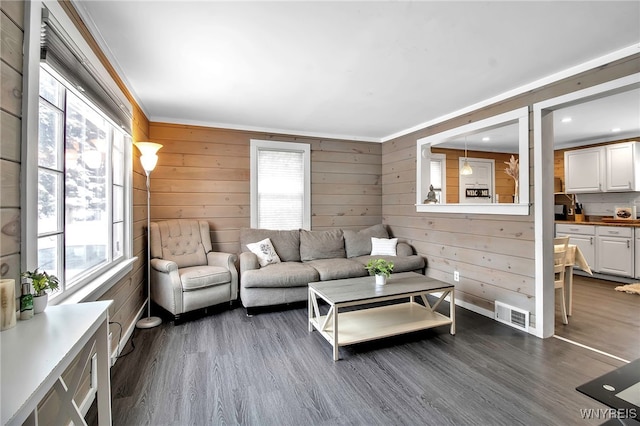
510 315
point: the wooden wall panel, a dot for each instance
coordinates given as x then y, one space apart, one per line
494 254
11 40
204 173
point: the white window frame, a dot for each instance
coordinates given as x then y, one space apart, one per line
442 159
95 285
305 149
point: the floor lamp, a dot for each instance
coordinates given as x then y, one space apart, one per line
148 158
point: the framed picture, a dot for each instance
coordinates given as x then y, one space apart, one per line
624 213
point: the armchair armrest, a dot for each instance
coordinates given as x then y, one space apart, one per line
162 265
226 260
166 287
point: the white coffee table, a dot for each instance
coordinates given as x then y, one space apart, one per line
370 323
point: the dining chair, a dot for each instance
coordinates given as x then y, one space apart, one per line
560 250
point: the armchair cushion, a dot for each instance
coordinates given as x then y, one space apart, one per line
197 277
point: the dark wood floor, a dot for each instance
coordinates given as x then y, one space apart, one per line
227 368
603 318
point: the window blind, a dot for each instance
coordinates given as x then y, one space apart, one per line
58 50
280 189
436 174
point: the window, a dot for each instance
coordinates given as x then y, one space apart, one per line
280 185
438 175
81 185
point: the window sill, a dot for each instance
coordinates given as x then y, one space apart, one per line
98 287
505 209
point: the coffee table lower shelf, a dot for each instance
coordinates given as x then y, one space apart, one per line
380 322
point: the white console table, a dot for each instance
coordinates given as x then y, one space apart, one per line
36 352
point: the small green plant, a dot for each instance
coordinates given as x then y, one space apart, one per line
42 281
379 267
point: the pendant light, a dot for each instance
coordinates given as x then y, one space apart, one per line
466 169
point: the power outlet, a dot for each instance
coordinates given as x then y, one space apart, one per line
456 276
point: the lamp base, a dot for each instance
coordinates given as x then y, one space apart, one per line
149 322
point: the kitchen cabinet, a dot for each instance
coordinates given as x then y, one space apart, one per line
622 172
615 250
584 170
637 253
608 168
582 236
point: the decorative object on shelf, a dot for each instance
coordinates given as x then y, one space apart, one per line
431 196
26 303
41 282
381 269
7 304
466 169
148 159
624 213
514 171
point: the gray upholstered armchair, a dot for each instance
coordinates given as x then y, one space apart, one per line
185 273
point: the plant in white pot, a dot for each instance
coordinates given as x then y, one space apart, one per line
41 282
380 268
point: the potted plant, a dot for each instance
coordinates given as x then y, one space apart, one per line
41 282
380 268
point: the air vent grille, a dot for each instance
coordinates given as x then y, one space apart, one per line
510 315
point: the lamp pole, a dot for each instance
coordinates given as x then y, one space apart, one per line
149 159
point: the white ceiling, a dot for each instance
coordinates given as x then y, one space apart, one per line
359 70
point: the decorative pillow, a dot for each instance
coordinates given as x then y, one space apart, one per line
265 252
359 243
383 246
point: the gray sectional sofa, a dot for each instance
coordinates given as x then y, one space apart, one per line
310 256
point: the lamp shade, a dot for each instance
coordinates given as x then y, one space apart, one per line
466 169
149 158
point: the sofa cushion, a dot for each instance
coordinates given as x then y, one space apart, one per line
359 243
286 243
400 263
337 269
383 246
278 275
264 251
196 277
321 244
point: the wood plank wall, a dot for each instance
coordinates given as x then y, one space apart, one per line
11 39
494 254
203 173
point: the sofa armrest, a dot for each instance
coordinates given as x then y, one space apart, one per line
404 249
248 261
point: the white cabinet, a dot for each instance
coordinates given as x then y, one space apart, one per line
582 236
614 250
622 172
608 168
584 170
637 253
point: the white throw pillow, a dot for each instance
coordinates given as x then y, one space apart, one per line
383 246
265 252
